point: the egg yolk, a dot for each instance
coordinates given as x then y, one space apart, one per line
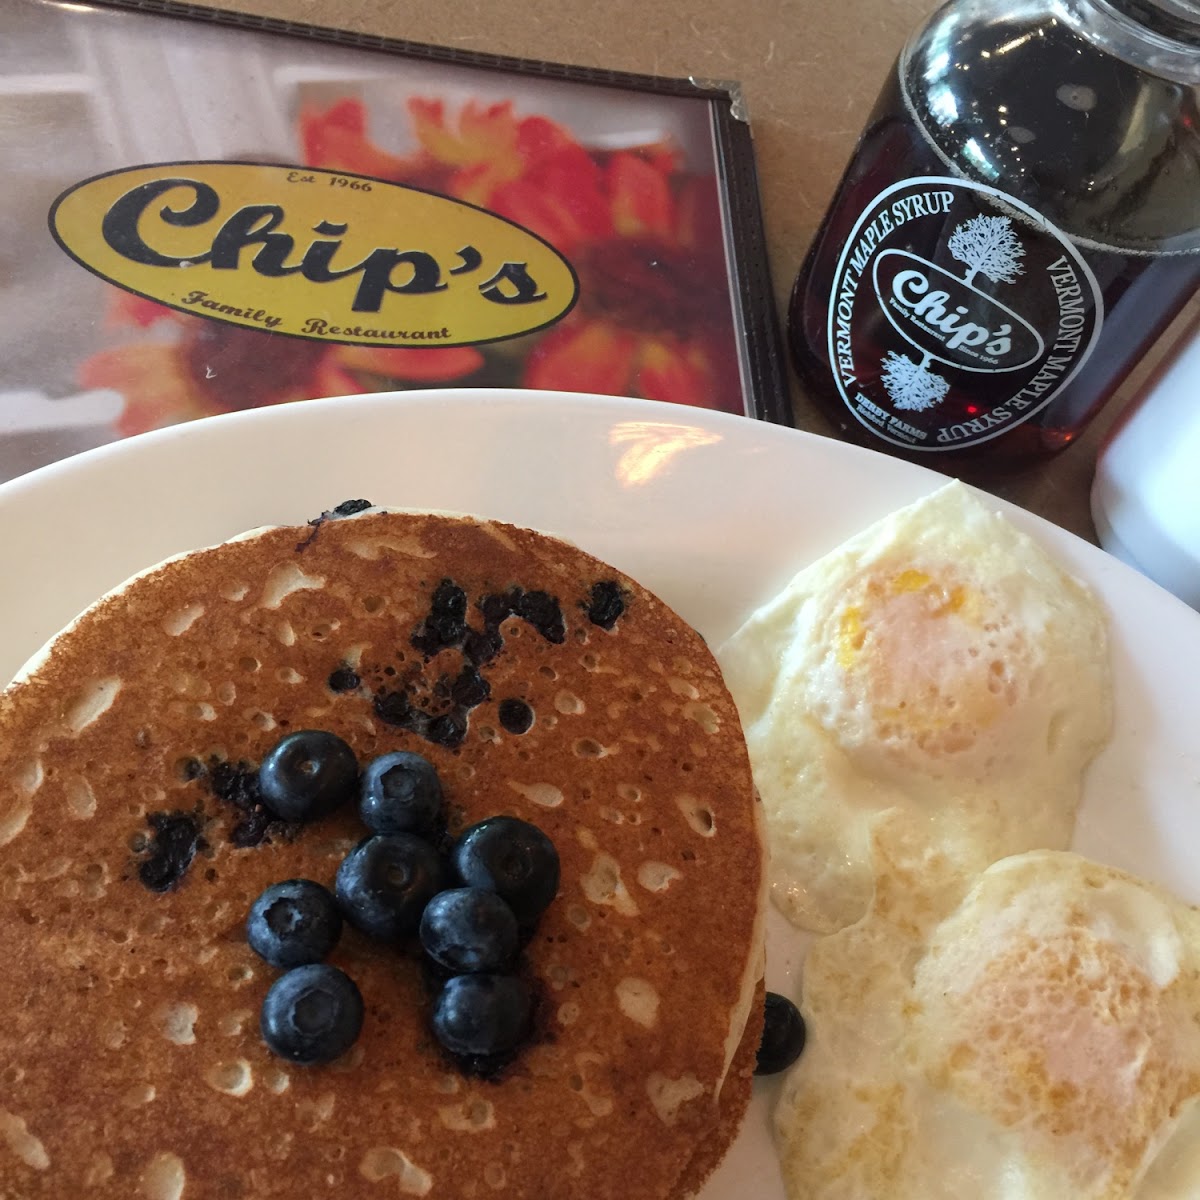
928 658
1066 1037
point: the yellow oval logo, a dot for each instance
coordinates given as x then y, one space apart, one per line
315 254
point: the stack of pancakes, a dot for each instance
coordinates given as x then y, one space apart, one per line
131 1063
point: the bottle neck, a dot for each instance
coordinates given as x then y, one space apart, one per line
1162 36
1178 20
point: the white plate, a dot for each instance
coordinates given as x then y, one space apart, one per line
712 512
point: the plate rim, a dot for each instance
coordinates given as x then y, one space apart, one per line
746 1165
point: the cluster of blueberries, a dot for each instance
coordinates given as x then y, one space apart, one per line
472 908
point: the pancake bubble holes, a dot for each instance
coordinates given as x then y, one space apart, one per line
590 748
177 1023
638 1000
668 1095
601 882
276 1081
285 579
139 1095
703 716
588 1082
164 1177
94 702
657 876
232 1077
28 780
99 1170
181 620
544 794
471 1116
80 799
232 1024
384 1162
113 1033
17 1136
318 1111
697 814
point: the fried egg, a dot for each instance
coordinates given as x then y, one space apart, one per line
938 667
1039 1041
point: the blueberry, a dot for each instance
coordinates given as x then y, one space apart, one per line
447 730
294 923
482 1015
400 793
311 1015
343 679
348 508
307 775
385 882
176 839
605 604
783 1036
468 930
394 708
512 858
469 687
446 624
516 717
481 646
543 612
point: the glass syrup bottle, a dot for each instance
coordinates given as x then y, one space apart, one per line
1018 224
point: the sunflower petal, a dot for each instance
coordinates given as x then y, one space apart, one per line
126 308
483 135
331 378
337 139
153 382
674 371
435 365
588 356
642 202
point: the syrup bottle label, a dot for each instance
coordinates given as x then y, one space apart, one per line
956 313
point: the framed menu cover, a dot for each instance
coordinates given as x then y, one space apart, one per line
204 211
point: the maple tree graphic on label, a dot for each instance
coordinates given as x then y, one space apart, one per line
986 244
912 387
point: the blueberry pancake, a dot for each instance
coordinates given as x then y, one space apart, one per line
540 684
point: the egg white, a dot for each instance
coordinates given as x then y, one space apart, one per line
1039 1041
938 667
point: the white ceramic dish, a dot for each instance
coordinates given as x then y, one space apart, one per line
710 511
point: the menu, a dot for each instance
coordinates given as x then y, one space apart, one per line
206 212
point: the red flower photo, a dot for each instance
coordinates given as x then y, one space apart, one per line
643 233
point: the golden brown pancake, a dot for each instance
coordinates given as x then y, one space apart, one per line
130 1059
732 1103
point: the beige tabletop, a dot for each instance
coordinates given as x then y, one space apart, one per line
809 72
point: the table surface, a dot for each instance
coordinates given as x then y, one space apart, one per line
809 73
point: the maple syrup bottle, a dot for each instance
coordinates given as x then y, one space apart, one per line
1019 223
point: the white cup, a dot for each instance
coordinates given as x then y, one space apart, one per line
1146 491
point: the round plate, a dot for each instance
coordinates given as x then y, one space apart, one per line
712 512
